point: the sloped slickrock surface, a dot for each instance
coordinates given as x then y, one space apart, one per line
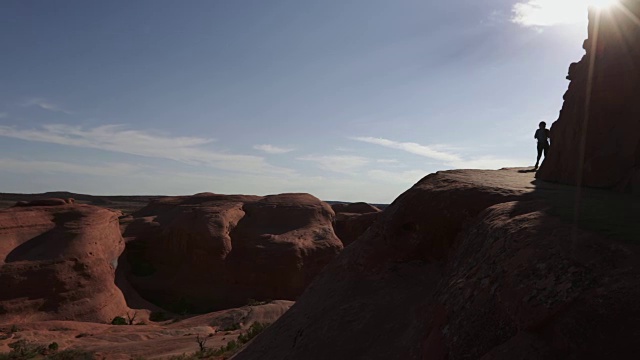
611 131
468 265
208 252
57 261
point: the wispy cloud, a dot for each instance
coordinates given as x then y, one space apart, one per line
544 13
414 148
46 105
345 164
270 149
447 158
117 138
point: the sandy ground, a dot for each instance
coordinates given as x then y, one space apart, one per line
150 341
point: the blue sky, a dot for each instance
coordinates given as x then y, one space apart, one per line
351 100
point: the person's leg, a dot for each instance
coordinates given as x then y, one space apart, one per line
540 150
545 149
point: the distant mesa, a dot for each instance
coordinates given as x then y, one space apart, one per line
45 202
354 208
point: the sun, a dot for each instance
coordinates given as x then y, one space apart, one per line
601 4
542 13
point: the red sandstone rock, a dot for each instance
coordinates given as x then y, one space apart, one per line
354 208
353 219
467 265
349 227
612 132
57 262
208 251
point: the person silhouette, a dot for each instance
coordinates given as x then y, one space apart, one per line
542 135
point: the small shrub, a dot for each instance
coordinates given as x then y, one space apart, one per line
179 357
22 349
255 329
234 326
254 302
158 316
131 318
119 320
202 341
232 345
14 329
72 354
53 346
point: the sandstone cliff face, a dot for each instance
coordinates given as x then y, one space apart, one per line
207 252
467 265
57 261
611 133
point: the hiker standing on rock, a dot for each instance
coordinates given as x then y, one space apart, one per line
542 135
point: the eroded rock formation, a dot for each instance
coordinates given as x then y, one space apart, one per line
57 261
207 252
609 132
468 265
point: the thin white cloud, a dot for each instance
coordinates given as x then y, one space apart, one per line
413 148
446 158
116 138
345 164
544 13
45 105
270 149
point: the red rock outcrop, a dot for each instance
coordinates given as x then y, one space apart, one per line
468 265
349 227
57 261
609 132
208 252
353 219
